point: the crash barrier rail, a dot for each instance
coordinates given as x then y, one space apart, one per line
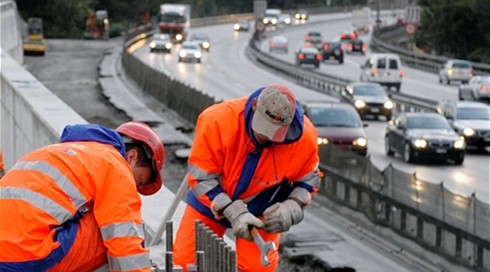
452 239
212 252
456 227
383 41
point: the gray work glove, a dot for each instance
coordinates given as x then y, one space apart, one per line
281 216
240 218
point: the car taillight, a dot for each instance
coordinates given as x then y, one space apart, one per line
400 72
472 73
325 47
307 37
484 88
364 47
301 56
318 57
273 44
372 72
307 44
342 47
342 35
349 47
285 45
352 36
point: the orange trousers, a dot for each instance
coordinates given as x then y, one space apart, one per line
248 253
87 252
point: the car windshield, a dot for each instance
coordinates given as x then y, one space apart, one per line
334 117
369 90
161 37
190 46
279 39
463 65
473 113
308 50
427 122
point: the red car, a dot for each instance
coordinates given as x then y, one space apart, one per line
338 123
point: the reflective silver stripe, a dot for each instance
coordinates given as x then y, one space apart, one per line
132 262
65 184
104 268
206 181
125 229
311 179
37 200
301 194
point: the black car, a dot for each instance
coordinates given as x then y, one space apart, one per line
333 51
469 119
369 99
357 45
417 135
308 55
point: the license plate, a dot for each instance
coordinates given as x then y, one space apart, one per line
375 110
310 57
336 51
441 150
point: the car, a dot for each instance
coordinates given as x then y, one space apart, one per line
190 52
161 42
356 45
368 99
202 39
284 19
383 68
477 89
241 25
301 15
308 56
469 119
278 43
349 33
314 39
423 135
333 50
271 17
456 70
337 123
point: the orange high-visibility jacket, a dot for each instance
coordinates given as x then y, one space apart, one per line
45 192
226 158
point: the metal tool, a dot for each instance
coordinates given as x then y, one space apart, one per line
263 246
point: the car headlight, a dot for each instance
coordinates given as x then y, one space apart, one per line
205 45
266 21
468 132
450 72
236 27
388 105
287 21
322 141
168 45
182 54
419 143
459 144
197 55
362 142
178 37
152 44
274 21
297 16
359 104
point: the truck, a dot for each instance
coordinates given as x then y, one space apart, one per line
34 42
360 19
96 25
174 19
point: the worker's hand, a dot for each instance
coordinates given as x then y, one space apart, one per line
281 216
240 218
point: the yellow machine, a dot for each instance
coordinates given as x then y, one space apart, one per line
34 42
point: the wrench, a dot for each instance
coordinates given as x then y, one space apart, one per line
263 246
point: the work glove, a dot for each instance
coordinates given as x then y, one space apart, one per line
241 219
281 216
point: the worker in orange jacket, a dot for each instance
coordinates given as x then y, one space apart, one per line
74 206
253 163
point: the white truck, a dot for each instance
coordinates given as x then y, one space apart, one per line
361 19
174 19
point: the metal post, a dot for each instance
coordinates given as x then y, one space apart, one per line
169 236
169 261
200 261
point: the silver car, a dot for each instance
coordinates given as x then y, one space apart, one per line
190 52
278 43
456 70
477 89
161 42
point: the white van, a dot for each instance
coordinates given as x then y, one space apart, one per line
383 68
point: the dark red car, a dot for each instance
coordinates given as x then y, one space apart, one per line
338 123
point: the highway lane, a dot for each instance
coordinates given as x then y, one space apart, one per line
226 72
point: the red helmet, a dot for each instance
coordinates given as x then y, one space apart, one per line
141 132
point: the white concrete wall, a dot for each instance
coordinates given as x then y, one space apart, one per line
10 23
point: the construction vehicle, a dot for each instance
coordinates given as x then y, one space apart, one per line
34 43
97 25
174 19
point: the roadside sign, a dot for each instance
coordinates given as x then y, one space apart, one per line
410 29
259 8
259 26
